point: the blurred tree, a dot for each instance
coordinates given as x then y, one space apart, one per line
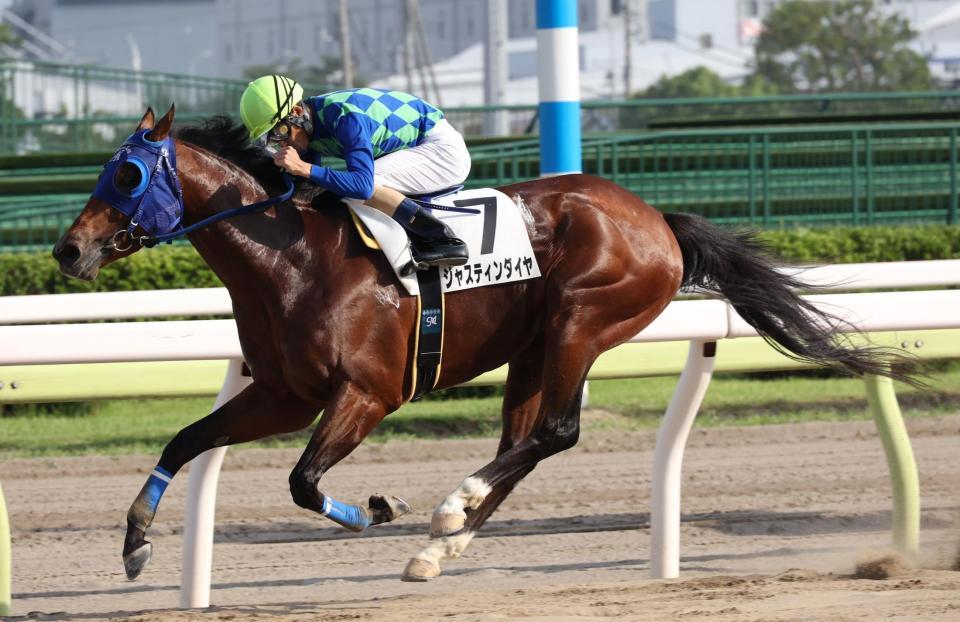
7 37
846 45
696 82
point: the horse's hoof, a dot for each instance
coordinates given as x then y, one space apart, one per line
442 524
420 570
385 508
135 561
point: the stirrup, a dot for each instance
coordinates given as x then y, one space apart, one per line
413 266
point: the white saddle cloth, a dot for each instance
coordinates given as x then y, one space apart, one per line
496 238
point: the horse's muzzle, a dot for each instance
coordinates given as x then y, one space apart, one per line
74 262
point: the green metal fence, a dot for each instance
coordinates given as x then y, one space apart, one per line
769 177
772 177
652 114
776 175
59 107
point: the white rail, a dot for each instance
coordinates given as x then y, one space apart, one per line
699 321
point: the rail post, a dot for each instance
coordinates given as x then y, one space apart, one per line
668 459
6 572
767 181
871 191
201 506
854 176
952 214
752 177
900 460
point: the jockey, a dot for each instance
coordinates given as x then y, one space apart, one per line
394 144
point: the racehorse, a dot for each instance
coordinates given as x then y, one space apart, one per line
325 325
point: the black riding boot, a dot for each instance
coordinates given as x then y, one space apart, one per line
432 243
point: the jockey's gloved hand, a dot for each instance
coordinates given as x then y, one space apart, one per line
289 159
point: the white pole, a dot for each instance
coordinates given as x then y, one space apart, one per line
6 572
201 506
668 459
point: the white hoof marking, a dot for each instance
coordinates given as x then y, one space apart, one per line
449 547
450 515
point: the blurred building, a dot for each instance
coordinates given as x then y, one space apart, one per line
226 37
178 36
258 33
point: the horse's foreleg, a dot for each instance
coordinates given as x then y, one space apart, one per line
347 420
253 414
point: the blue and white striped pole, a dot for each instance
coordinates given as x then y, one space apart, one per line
558 62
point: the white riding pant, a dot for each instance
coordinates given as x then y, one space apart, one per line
440 161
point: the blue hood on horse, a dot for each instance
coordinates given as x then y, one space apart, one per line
155 199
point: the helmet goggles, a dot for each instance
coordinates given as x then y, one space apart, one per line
281 133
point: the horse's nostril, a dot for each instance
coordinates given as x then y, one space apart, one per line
66 254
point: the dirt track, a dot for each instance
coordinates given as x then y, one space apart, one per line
775 520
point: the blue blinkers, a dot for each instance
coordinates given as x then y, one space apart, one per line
149 192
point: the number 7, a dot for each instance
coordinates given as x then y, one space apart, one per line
489 220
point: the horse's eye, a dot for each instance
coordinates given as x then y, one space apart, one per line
127 178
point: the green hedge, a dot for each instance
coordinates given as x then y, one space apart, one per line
865 244
166 267
176 267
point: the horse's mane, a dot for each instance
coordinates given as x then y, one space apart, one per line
223 136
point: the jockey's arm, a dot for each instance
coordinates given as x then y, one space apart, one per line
357 181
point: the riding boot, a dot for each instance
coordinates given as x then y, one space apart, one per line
432 243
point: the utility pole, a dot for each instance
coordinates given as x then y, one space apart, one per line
426 63
409 13
345 55
627 50
495 123
635 26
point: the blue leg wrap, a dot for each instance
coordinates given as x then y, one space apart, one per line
405 212
353 517
155 487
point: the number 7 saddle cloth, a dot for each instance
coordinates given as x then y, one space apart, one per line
496 238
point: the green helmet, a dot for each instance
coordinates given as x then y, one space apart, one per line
266 101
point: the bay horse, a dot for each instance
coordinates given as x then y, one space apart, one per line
325 325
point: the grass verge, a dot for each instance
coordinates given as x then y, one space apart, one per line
145 426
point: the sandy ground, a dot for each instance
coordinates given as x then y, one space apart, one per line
775 520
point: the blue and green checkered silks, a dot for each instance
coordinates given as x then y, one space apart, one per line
394 119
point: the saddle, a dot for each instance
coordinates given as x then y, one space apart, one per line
495 230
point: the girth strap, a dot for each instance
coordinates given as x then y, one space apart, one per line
429 351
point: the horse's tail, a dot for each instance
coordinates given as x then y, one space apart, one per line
735 266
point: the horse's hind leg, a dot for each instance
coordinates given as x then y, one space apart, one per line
253 414
589 310
521 403
557 428
346 421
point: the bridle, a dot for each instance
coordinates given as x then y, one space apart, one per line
155 204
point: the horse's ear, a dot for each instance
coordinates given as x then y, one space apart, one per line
162 129
146 123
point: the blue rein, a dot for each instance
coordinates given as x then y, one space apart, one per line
152 240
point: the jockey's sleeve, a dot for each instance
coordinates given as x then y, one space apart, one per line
357 181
